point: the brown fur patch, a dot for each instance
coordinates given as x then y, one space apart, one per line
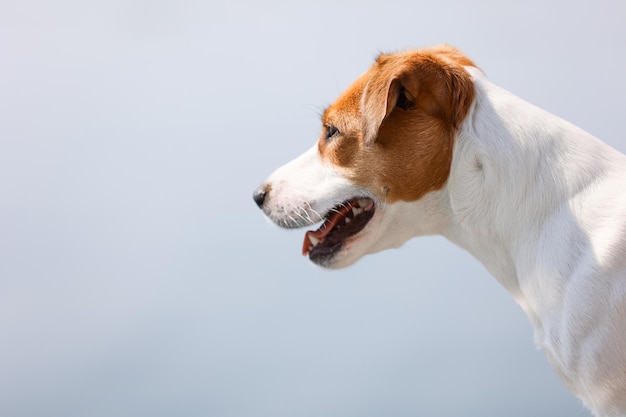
397 123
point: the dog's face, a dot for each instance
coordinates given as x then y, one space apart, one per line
375 175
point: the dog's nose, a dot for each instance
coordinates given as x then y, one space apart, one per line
259 196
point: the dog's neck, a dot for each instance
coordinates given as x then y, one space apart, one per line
511 191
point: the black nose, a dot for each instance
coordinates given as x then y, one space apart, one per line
259 196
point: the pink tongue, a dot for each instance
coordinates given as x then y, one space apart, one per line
325 228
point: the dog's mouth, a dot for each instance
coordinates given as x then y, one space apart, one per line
340 223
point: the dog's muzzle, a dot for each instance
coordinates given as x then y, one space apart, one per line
259 195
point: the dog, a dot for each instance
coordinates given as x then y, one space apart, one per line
421 144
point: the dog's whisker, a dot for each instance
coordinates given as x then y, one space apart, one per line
312 210
308 215
319 216
301 216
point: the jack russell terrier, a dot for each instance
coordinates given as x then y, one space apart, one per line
423 143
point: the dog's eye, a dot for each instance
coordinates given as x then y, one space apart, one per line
331 131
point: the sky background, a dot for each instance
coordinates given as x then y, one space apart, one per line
137 276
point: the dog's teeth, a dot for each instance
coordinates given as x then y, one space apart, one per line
363 202
356 211
314 241
347 220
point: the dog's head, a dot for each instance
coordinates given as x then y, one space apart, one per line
374 177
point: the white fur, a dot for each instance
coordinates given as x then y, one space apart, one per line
541 203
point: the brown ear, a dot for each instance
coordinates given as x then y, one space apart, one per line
441 88
377 102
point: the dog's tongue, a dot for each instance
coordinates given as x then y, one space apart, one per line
328 225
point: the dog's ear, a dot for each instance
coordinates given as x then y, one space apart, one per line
435 85
378 101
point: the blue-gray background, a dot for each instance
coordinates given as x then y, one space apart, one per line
137 277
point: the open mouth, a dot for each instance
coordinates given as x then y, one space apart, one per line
340 223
